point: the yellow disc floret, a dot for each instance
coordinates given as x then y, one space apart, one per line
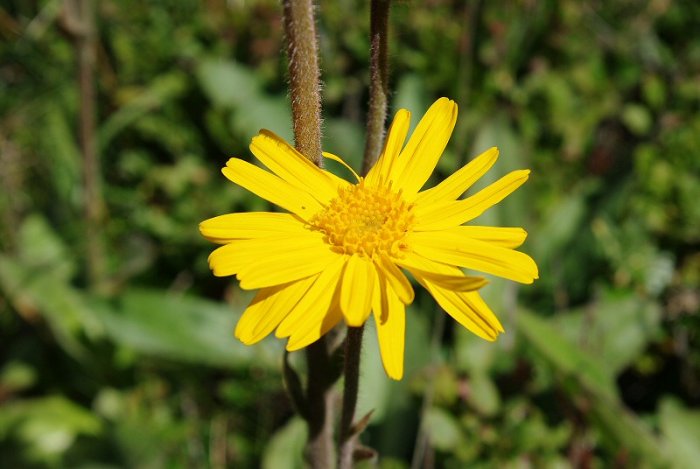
366 220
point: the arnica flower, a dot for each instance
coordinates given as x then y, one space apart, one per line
341 250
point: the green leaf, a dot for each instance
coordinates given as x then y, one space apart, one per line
564 356
443 429
559 226
484 394
37 285
616 330
591 380
183 328
161 90
681 428
637 118
235 87
623 429
48 426
347 140
286 447
41 249
227 84
17 376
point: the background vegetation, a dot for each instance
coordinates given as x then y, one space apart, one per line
133 364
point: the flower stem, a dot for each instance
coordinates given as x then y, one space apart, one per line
305 93
376 117
378 86
348 439
320 450
304 87
80 23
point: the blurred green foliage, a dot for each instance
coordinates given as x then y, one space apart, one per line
601 363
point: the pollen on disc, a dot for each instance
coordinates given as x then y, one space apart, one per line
366 220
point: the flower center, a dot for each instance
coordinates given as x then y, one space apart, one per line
366 220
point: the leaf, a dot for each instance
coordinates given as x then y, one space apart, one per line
443 429
183 328
559 226
17 376
346 139
564 356
63 153
43 294
681 428
590 379
41 249
235 87
286 446
227 84
161 90
484 394
295 390
626 430
47 425
616 330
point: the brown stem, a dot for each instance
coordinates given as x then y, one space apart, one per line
376 117
348 440
304 89
320 450
378 86
81 13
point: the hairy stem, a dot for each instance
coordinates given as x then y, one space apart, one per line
305 94
376 117
320 449
378 86
304 86
351 371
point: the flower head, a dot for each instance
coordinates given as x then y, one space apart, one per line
341 250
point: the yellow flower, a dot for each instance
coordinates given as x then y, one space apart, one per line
339 251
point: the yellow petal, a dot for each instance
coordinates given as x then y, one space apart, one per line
460 283
448 248
359 278
338 159
463 307
379 173
316 303
437 268
417 161
271 188
506 237
290 260
457 183
269 307
443 275
390 319
395 279
442 215
282 251
226 228
308 335
294 168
